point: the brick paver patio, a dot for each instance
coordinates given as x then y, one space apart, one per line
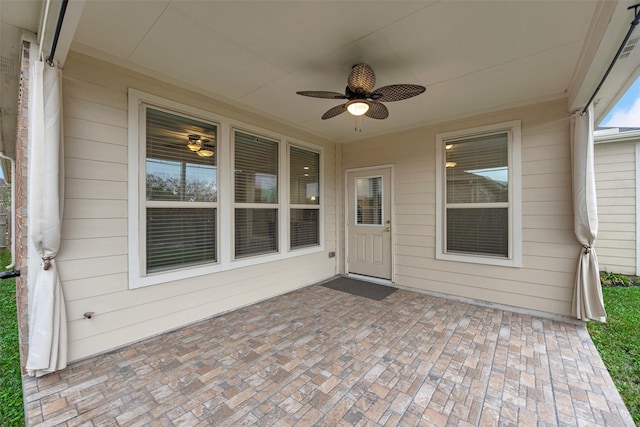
318 356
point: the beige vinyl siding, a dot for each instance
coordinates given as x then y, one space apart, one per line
93 259
616 191
550 250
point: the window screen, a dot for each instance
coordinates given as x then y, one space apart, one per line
178 233
256 195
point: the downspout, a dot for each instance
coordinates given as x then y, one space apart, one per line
14 273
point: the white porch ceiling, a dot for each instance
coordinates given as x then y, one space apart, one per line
472 56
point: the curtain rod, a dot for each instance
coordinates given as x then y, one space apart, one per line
43 25
54 43
636 21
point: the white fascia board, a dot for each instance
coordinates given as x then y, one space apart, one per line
614 135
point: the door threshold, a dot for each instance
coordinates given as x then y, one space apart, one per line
378 280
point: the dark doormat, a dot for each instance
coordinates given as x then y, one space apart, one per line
360 288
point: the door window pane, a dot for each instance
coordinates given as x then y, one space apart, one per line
178 237
369 201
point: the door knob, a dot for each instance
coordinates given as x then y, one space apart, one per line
387 229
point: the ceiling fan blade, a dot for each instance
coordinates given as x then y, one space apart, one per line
377 111
396 92
322 94
335 111
362 79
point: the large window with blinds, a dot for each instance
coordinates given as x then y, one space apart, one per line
256 200
479 193
181 192
304 197
209 194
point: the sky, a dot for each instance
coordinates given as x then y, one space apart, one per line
626 112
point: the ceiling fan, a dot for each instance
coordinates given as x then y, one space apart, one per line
360 98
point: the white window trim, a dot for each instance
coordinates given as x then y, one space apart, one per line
515 194
225 204
146 204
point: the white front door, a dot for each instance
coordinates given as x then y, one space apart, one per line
369 222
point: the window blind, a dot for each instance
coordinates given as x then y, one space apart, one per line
256 231
369 201
255 195
478 231
304 196
256 169
477 170
477 195
174 173
178 235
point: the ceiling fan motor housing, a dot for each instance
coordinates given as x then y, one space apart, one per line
362 79
359 90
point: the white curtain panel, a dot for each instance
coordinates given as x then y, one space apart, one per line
587 294
47 312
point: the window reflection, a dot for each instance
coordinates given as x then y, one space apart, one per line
173 172
180 181
477 170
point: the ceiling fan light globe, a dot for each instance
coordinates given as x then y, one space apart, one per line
358 107
205 153
193 146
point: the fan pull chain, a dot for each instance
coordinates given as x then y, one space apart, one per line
358 125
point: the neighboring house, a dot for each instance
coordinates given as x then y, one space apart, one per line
617 160
155 237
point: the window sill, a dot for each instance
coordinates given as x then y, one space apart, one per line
480 259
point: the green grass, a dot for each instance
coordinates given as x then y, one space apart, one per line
618 342
11 406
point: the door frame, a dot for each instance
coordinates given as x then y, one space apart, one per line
392 215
